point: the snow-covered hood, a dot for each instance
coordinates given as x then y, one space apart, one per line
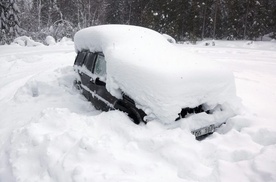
159 77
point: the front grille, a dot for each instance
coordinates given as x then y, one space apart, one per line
188 111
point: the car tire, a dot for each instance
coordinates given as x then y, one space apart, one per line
132 112
135 115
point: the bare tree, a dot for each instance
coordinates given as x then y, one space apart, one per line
215 18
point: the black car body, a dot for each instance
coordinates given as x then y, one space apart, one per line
91 68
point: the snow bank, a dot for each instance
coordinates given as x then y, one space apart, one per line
238 44
65 41
26 41
161 78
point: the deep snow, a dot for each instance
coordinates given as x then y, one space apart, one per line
49 132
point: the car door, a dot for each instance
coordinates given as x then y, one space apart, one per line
102 99
86 75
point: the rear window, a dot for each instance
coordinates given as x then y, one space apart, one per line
80 58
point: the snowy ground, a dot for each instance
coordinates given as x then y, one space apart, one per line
49 132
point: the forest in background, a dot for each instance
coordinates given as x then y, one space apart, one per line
185 20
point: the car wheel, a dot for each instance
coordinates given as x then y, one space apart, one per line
135 115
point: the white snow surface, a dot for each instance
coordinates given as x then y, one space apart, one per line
161 78
50 133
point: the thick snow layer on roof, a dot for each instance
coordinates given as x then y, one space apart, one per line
155 73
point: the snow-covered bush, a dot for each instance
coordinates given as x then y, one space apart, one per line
57 32
62 28
9 22
50 40
65 41
26 41
267 37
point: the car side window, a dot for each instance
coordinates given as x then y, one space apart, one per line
80 58
100 66
89 59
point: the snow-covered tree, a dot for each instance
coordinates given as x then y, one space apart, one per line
182 19
9 23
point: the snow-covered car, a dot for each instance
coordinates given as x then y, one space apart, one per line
136 70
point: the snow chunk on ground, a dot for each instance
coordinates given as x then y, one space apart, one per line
50 40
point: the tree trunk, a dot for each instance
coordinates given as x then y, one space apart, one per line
89 15
129 14
39 14
204 21
215 19
245 22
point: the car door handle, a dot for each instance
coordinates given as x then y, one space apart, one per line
99 82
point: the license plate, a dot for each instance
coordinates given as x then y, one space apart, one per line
204 131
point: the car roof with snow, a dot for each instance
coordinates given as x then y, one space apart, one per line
98 38
156 74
